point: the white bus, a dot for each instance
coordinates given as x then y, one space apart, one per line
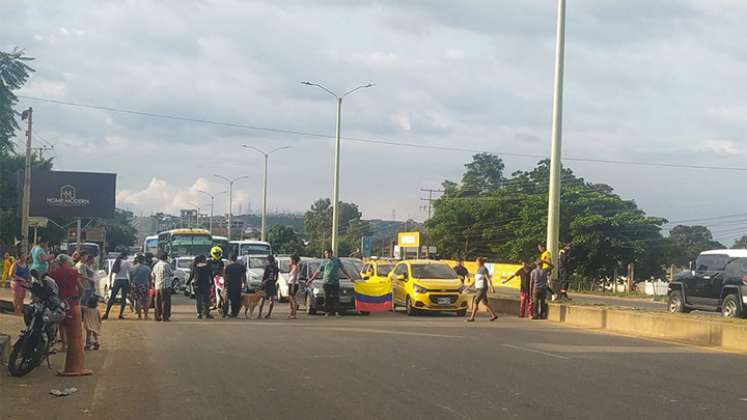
150 245
250 247
185 242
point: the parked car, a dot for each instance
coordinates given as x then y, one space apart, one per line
284 273
376 271
425 285
716 282
313 297
255 269
182 266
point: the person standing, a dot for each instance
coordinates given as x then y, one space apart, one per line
330 269
234 279
162 276
525 289
539 291
564 271
295 272
547 265
216 267
92 323
21 275
140 285
70 288
201 276
87 278
40 257
121 276
482 282
8 261
461 271
269 286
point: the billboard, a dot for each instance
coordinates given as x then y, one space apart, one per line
408 239
72 194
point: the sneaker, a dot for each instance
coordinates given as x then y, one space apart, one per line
470 320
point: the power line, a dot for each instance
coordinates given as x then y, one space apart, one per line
374 141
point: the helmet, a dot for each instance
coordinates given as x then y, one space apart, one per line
216 252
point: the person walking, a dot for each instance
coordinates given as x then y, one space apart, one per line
201 276
269 286
330 269
461 270
40 257
564 272
21 275
121 282
140 285
162 277
293 275
234 279
539 291
525 289
483 280
8 262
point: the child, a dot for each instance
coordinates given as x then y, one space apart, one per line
92 323
525 290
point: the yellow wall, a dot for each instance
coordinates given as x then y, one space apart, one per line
500 272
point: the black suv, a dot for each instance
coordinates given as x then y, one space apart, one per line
716 282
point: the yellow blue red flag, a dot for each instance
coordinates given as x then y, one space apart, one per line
373 297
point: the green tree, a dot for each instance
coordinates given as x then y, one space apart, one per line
740 243
120 232
484 173
318 227
285 240
689 241
11 167
13 74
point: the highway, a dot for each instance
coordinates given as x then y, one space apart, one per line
381 366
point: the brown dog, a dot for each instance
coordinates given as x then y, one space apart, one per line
249 302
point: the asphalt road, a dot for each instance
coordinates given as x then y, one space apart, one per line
381 366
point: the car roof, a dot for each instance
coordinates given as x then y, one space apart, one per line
425 262
733 253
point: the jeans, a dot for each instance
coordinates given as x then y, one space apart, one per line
202 300
233 298
124 286
331 297
539 303
163 304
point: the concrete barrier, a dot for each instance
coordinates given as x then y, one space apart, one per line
723 334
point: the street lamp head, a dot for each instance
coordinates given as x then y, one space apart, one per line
306 83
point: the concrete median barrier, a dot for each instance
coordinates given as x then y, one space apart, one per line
725 334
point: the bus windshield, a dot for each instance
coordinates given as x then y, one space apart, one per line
190 244
151 245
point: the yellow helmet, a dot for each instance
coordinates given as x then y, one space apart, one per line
216 252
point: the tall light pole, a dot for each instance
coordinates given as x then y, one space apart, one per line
553 206
230 197
264 188
212 207
336 182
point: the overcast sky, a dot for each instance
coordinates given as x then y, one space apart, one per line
651 81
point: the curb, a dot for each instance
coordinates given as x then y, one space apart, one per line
672 327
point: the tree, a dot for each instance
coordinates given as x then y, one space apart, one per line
740 243
119 230
285 240
689 241
11 166
484 173
318 227
13 74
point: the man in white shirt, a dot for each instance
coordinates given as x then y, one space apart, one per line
162 277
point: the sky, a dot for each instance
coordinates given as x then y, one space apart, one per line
655 82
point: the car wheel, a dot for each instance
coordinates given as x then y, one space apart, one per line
409 308
730 307
310 309
461 312
676 303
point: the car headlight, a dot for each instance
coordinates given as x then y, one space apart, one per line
420 289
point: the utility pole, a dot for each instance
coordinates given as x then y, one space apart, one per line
266 155
26 115
553 204
430 198
41 150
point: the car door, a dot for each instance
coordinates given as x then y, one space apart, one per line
708 269
398 285
303 277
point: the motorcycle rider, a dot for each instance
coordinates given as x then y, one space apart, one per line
216 269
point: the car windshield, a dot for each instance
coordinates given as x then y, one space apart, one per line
284 266
432 271
256 262
352 268
254 249
384 269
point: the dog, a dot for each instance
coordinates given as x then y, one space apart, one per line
249 301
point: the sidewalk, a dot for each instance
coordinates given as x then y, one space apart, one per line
6 299
585 299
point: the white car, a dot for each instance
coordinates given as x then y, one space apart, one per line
181 267
284 273
255 269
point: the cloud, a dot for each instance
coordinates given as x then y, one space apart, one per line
160 195
720 147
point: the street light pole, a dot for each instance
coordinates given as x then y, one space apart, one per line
264 188
230 197
212 207
336 181
553 206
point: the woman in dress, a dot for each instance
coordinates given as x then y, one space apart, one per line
295 271
21 276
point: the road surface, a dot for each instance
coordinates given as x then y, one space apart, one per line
378 367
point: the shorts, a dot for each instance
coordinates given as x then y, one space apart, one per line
481 295
292 289
270 292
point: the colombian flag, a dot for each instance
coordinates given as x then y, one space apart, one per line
373 297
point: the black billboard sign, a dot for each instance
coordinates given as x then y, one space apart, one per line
72 194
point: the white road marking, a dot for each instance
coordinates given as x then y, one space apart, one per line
452 411
557 356
372 331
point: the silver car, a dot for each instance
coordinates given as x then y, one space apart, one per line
313 297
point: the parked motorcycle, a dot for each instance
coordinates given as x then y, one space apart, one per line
43 318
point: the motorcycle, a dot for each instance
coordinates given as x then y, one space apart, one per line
43 318
216 293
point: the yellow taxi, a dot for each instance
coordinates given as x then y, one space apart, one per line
425 285
376 271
